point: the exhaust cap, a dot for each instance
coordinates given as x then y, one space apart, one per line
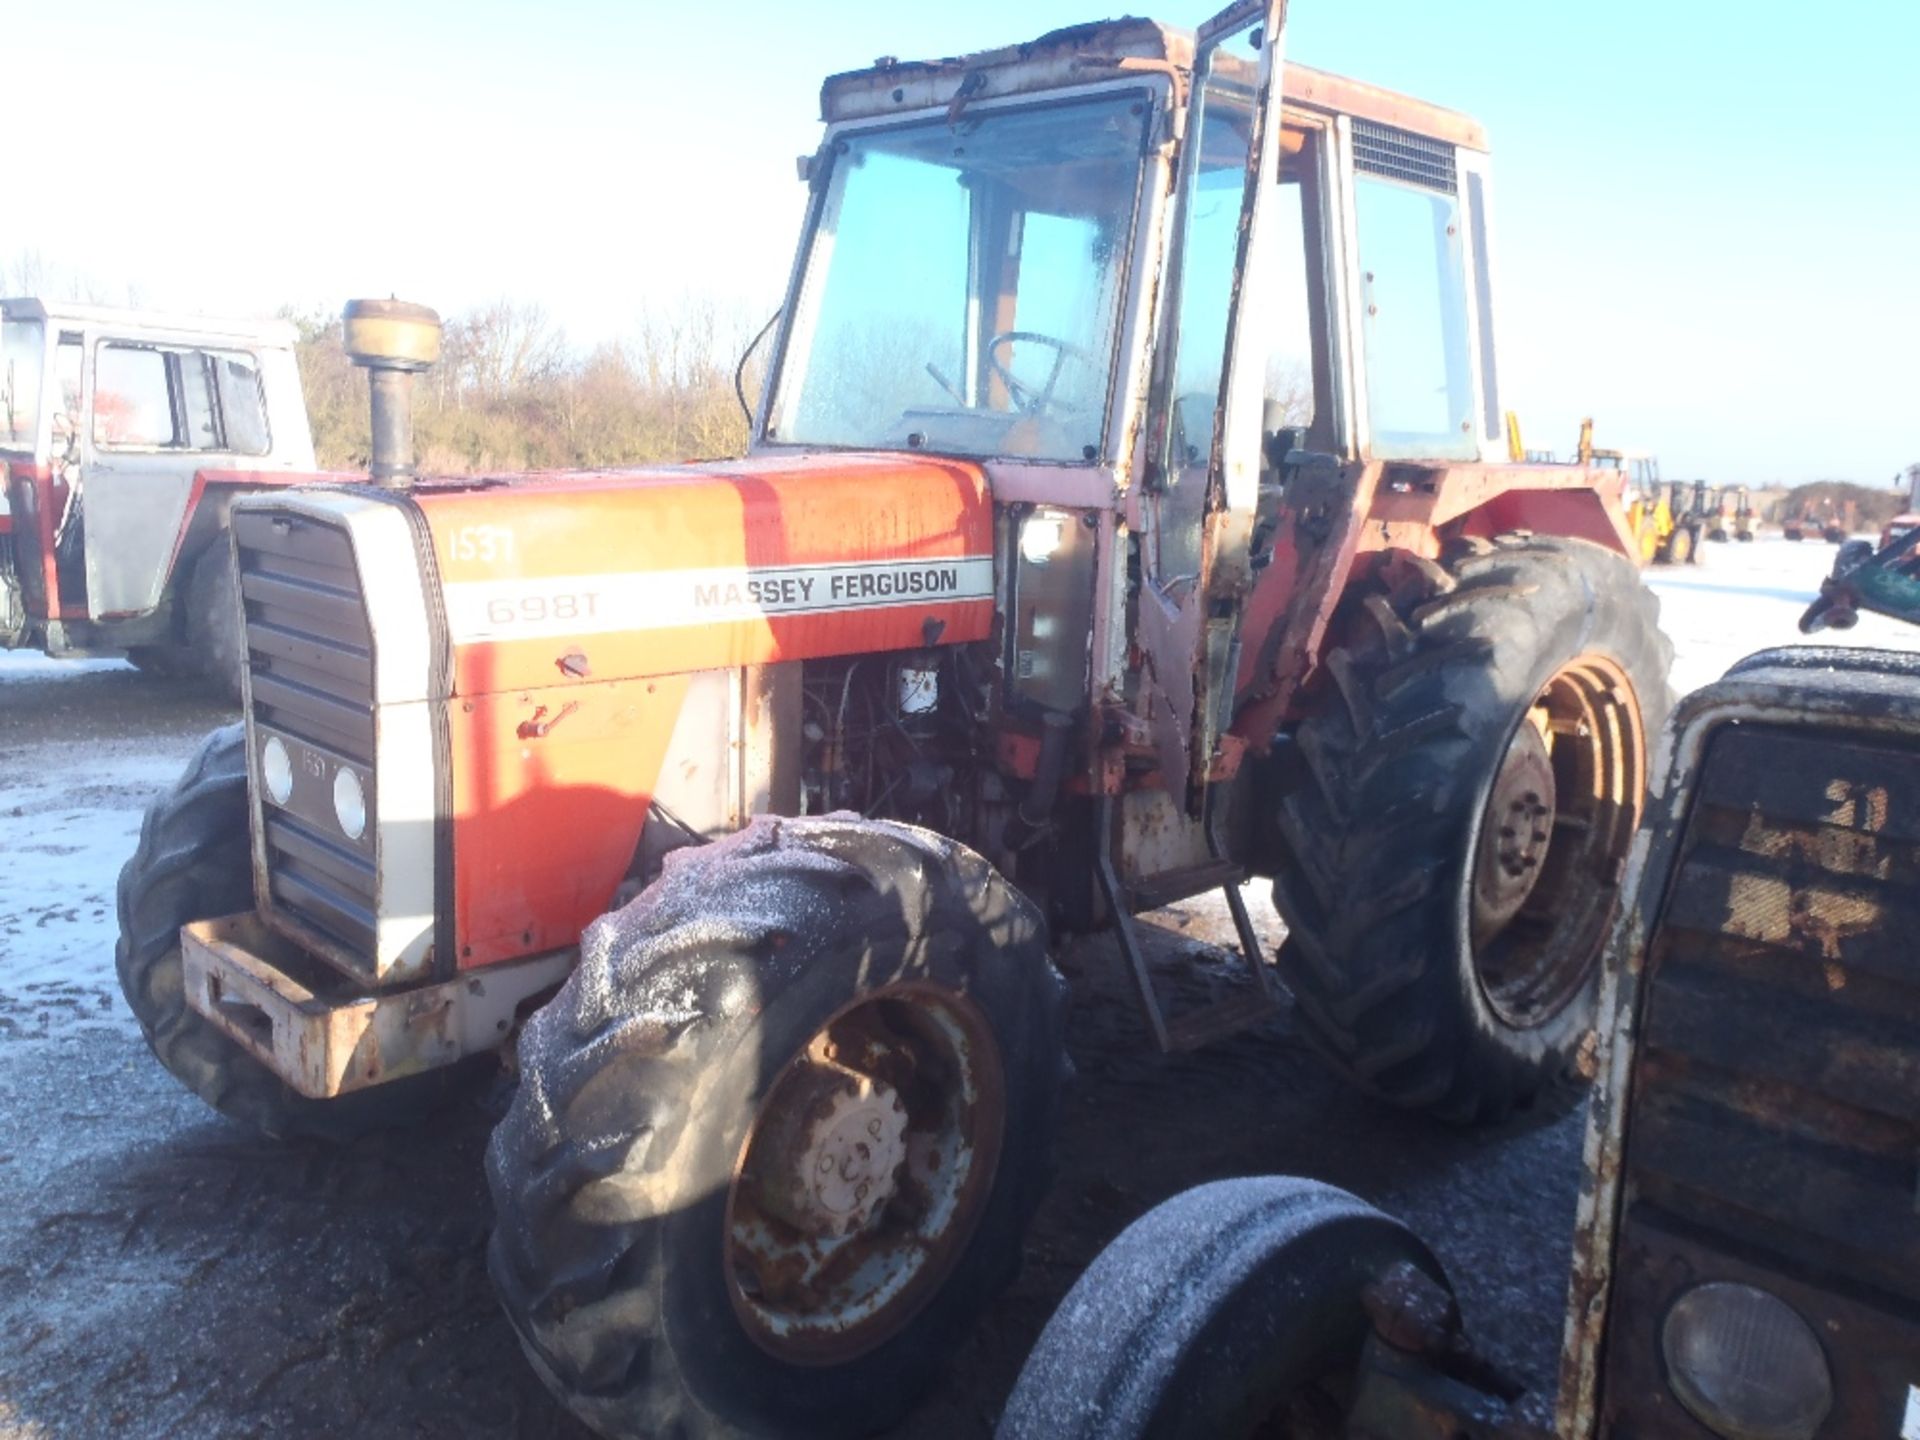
393 340
391 334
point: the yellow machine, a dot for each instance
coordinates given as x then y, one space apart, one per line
1649 513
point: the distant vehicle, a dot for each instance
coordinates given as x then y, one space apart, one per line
1649 510
1693 505
1732 515
125 437
1832 523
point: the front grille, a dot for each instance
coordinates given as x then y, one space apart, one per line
1774 1130
1402 155
310 656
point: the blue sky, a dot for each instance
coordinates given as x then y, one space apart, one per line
1707 213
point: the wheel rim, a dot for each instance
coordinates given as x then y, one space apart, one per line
1553 840
864 1174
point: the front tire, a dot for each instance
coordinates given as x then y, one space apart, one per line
1232 1310
194 863
1451 856
862 1001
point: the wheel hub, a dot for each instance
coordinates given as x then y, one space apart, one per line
863 1173
1516 832
833 1159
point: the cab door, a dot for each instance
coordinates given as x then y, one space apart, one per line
1203 476
161 413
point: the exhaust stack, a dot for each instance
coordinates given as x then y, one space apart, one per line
392 340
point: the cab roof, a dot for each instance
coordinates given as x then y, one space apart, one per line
1109 49
133 320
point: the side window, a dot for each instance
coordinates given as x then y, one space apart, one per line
1483 291
243 409
132 402
1291 309
1220 140
196 401
1414 295
67 369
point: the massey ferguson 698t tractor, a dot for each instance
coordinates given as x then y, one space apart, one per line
1122 518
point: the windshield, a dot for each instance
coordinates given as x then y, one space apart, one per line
21 353
962 289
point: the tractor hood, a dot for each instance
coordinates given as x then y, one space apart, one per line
554 578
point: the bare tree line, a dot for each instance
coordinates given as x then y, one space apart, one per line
30 272
510 393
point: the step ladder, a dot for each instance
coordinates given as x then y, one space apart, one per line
1206 1023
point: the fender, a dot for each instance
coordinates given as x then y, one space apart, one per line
1336 522
228 485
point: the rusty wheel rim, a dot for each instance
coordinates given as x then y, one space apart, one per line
1553 840
864 1173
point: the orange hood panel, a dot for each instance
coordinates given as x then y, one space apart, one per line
662 571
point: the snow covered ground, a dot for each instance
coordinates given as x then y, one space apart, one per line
1743 598
84 745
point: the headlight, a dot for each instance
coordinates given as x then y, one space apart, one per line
1745 1365
349 803
276 770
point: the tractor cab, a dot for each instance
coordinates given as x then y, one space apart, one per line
1141 275
1058 253
124 436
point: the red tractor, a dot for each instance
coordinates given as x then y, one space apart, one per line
1124 517
125 438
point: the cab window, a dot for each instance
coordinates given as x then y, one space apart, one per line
67 374
132 399
1413 301
1292 307
152 398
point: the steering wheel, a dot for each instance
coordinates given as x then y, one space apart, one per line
1028 398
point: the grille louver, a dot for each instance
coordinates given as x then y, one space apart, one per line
310 657
1401 155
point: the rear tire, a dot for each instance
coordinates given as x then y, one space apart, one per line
194 863
1226 1311
162 662
618 1176
216 629
1429 969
